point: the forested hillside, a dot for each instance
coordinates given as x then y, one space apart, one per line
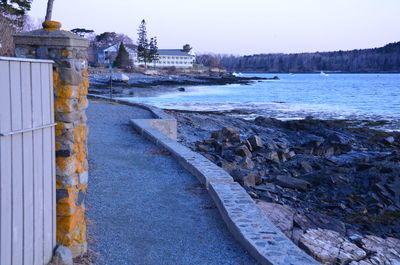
384 59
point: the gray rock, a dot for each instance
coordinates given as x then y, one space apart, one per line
62 256
306 166
210 157
314 220
386 251
282 156
336 138
272 156
280 215
271 145
245 177
228 166
215 134
312 140
248 145
325 150
255 142
203 148
243 151
247 163
389 140
230 134
228 130
297 233
329 247
293 183
290 155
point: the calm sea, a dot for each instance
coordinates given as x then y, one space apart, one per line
335 96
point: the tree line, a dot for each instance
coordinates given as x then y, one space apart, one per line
384 59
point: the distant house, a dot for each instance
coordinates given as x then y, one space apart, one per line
166 57
109 54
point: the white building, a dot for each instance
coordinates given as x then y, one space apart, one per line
172 57
166 57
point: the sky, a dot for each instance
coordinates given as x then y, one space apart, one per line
239 26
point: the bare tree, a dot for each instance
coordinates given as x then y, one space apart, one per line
49 12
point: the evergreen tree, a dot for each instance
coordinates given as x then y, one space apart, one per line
82 31
187 48
122 59
14 11
153 51
147 52
143 44
13 15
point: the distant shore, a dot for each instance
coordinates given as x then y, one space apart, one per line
140 85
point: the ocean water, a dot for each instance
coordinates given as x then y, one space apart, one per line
336 96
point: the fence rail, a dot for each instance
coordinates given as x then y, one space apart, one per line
27 162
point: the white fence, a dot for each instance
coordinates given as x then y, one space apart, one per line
27 162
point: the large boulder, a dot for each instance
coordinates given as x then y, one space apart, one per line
280 215
255 142
292 183
384 251
271 156
247 163
243 151
245 177
314 220
230 134
329 247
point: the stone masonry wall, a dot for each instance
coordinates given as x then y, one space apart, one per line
70 80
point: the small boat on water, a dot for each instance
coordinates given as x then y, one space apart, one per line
323 74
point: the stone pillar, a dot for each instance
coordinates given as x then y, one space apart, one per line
70 79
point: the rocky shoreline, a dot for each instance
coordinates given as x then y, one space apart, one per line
147 85
332 186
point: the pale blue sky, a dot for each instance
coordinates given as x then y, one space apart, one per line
240 27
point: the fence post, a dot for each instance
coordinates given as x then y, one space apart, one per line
70 81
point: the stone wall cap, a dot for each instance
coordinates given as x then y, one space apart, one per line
43 37
17 59
53 34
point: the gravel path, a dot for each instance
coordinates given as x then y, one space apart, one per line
142 206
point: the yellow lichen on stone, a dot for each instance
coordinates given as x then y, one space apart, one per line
64 162
62 104
59 185
51 25
83 188
85 82
60 125
63 91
